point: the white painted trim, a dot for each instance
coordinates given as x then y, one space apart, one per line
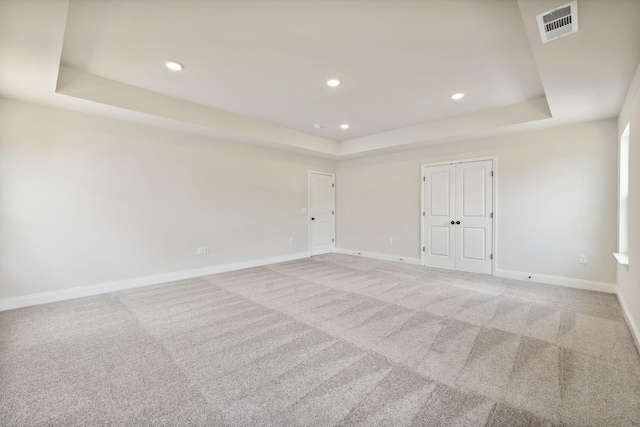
568 282
494 230
332 175
623 259
119 285
423 212
633 327
456 161
383 257
494 208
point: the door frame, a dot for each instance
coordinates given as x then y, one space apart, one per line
494 234
333 217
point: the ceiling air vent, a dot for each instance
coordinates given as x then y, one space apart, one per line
558 22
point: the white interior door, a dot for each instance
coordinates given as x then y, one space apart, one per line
321 213
474 225
439 214
458 216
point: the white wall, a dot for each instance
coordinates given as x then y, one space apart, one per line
556 194
628 279
86 200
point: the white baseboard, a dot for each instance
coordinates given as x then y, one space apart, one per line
518 275
633 326
557 280
406 260
119 285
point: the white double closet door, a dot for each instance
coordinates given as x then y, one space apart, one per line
458 216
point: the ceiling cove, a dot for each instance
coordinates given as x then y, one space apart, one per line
377 77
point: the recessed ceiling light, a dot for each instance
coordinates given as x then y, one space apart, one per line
174 65
333 82
457 96
344 126
318 126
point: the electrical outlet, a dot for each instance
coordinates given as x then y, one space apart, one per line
200 250
303 210
391 241
583 259
205 250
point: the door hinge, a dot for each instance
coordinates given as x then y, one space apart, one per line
333 240
491 173
333 213
423 249
491 256
333 185
424 179
423 214
491 214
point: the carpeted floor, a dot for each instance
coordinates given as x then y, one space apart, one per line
329 340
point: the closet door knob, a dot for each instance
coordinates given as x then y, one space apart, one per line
457 222
452 222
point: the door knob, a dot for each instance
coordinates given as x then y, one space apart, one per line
457 222
312 219
452 222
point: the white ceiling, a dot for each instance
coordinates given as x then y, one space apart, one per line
255 70
399 61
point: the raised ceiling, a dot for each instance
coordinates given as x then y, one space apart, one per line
255 71
398 62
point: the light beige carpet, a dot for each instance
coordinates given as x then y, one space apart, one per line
330 340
